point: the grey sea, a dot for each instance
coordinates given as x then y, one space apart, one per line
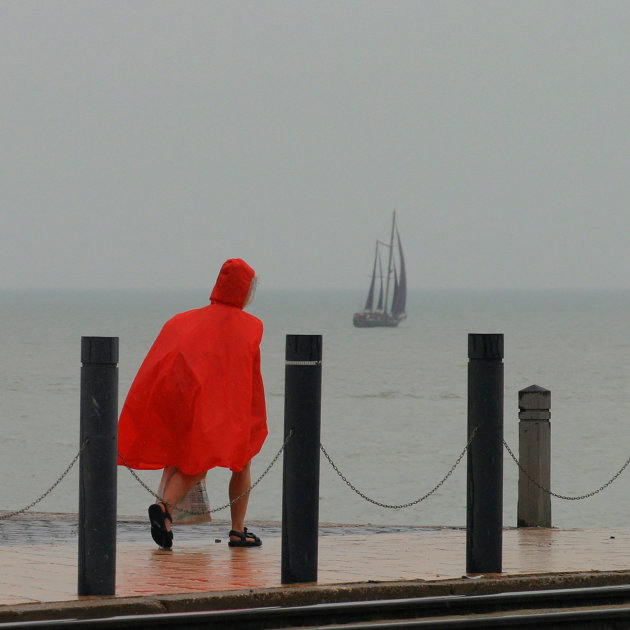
393 400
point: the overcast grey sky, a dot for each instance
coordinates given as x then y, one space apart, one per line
143 143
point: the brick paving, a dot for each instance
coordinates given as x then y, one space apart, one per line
38 555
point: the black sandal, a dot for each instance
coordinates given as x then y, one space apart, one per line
162 536
246 539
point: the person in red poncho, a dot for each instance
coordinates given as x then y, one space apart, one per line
198 402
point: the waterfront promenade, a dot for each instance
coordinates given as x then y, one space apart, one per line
38 554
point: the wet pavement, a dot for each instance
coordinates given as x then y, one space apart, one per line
38 555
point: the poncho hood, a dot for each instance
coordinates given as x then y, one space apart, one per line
233 282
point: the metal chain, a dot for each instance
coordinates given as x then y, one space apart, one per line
273 461
403 505
223 507
561 496
34 503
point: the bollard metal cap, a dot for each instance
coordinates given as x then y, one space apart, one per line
304 348
101 350
485 346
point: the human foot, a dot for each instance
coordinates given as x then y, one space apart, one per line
244 539
160 532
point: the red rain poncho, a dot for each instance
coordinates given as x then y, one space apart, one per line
198 401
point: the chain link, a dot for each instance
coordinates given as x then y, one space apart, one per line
403 505
43 496
561 496
223 507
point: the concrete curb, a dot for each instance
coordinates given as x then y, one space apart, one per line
307 594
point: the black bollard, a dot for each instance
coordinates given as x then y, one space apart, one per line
98 470
300 480
484 515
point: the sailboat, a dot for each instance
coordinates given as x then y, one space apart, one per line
390 307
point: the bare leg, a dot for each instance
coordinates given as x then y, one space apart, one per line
176 489
239 483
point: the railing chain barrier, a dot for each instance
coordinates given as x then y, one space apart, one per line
223 507
43 496
403 505
561 496
338 471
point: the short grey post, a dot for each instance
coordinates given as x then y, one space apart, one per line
534 455
300 481
97 466
484 515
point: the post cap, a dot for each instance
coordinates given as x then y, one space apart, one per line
485 346
534 397
304 348
100 350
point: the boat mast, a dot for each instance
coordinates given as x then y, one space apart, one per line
389 264
369 303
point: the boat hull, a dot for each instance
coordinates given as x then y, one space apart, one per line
374 319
